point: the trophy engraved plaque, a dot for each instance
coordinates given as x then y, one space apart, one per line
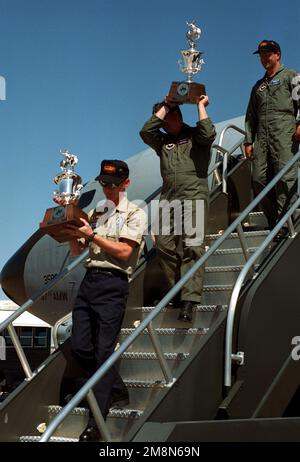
191 63
69 186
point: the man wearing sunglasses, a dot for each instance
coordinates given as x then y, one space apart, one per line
273 130
114 233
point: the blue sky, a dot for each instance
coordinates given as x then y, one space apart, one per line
83 75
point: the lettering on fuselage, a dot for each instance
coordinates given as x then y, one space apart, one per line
48 277
56 295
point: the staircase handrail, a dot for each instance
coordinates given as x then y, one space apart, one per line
230 127
44 289
226 155
229 356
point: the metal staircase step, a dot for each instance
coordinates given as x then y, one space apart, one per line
53 439
142 392
73 425
145 366
203 317
118 421
216 294
171 339
199 309
253 238
229 257
125 413
150 356
145 384
221 274
54 409
257 219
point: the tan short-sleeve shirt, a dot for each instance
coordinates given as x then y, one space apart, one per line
124 221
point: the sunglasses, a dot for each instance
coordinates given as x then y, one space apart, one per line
108 185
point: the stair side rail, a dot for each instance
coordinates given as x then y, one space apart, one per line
7 323
287 218
226 154
229 356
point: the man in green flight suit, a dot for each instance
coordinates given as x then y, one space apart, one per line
273 130
184 153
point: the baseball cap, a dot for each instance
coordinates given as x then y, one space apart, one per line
113 171
268 45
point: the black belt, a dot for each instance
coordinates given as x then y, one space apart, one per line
112 271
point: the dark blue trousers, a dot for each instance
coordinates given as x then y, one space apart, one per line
97 318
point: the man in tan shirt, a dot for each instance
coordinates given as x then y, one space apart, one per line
114 233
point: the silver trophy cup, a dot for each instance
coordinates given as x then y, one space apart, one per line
191 63
57 219
69 183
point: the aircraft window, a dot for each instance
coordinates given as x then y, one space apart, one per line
26 336
30 337
86 198
8 341
40 338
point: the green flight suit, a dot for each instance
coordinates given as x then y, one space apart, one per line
271 121
184 162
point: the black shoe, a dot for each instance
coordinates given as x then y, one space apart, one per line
174 303
3 395
282 234
119 398
90 434
186 311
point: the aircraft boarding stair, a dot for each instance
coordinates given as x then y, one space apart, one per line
194 353
185 348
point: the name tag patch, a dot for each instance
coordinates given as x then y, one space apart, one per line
183 141
274 82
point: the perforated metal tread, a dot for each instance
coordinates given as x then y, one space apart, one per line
125 413
53 439
214 237
198 308
234 251
120 413
146 355
145 383
214 288
55 409
256 214
169 331
219 269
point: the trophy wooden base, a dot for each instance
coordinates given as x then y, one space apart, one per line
57 218
185 92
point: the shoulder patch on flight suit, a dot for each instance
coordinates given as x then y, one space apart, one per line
170 146
262 86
